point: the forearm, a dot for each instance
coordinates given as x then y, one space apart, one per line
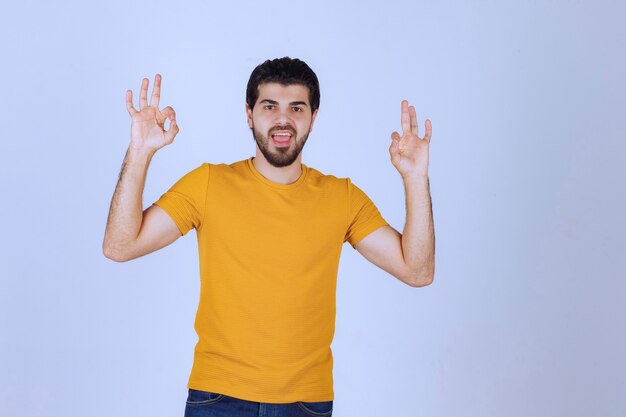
126 211
418 237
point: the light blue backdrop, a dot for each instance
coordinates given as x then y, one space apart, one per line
527 314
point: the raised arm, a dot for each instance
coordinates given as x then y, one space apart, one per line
409 256
130 231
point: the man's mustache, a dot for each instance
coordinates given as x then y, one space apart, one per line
286 128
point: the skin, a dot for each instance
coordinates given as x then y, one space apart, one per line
131 232
280 108
409 256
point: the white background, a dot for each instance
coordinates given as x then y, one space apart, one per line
528 100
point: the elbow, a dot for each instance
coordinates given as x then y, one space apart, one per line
421 278
422 281
111 253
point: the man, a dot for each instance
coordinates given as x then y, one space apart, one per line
270 231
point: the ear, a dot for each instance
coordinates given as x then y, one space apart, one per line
249 116
313 116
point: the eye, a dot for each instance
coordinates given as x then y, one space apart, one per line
297 109
269 107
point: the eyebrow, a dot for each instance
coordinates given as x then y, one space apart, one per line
293 103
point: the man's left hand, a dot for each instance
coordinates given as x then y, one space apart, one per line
409 152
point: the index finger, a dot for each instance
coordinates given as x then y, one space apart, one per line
156 91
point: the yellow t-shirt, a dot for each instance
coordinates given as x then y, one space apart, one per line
269 255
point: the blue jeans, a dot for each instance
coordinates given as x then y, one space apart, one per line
212 404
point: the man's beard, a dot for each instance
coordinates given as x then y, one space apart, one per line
279 156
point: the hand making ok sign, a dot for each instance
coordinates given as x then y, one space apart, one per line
409 152
147 130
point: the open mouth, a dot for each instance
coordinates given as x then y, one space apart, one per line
281 138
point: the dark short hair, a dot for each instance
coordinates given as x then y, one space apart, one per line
285 71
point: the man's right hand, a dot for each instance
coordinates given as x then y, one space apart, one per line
131 231
147 132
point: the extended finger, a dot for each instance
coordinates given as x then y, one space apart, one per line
143 94
156 91
429 130
129 103
414 125
406 124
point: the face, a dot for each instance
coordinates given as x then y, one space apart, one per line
281 122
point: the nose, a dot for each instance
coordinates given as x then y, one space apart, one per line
283 117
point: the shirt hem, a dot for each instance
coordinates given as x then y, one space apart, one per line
261 398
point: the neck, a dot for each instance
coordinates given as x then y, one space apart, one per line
283 175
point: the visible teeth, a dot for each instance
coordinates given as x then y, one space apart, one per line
282 134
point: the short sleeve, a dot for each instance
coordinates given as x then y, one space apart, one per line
363 216
185 201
